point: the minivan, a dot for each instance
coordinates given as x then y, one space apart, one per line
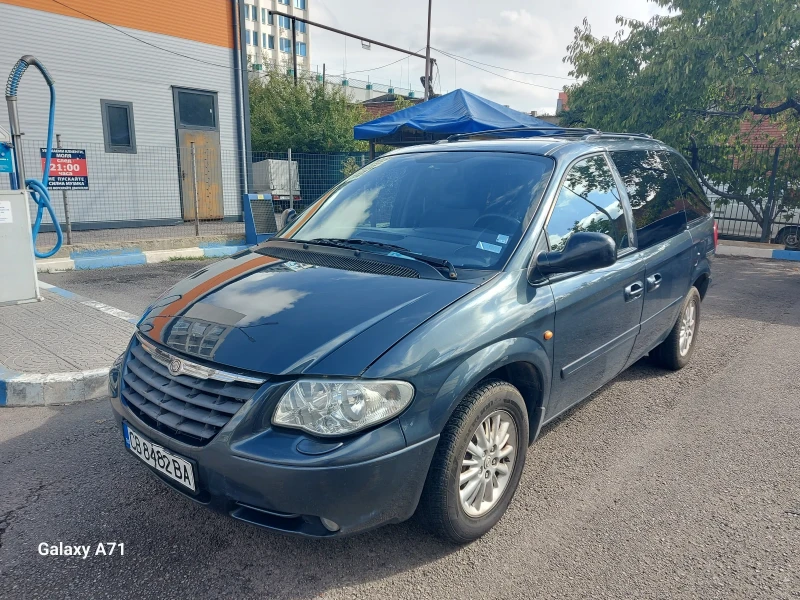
396 347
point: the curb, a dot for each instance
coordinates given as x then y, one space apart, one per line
103 259
47 389
728 250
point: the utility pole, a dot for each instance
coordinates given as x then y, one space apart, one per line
428 52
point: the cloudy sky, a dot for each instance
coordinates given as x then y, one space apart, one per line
518 36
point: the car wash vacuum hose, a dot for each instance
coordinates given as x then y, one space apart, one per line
38 189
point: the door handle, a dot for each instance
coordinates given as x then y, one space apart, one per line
633 291
653 282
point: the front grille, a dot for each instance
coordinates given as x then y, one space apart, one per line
187 408
337 261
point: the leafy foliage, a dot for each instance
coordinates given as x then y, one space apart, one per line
712 71
307 117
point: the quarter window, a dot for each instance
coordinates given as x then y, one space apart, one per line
588 201
694 198
118 132
654 195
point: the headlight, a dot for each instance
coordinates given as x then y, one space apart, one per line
326 407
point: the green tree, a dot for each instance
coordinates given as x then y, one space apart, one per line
699 73
307 117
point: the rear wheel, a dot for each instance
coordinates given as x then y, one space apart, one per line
791 238
676 351
478 463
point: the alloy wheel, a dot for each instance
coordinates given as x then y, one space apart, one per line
687 328
488 463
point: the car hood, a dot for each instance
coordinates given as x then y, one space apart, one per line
262 314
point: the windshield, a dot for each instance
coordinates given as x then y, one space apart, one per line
469 208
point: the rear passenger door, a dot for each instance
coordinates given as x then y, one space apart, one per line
597 311
662 239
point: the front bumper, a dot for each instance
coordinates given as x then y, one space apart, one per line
292 498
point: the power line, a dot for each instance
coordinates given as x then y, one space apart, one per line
384 66
502 76
456 56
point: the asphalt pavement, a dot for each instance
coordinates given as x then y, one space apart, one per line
661 485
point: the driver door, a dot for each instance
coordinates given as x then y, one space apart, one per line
597 311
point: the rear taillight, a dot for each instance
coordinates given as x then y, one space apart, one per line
716 235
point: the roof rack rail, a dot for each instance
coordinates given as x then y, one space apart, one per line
554 131
620 136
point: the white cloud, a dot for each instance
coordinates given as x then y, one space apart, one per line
515 36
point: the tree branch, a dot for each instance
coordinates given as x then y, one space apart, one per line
756 109
752 64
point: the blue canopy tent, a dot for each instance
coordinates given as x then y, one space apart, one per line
459 111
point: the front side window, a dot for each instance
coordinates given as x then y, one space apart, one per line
118 131
470 208
694 198
654 195
588 201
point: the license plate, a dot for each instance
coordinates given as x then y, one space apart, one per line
173 466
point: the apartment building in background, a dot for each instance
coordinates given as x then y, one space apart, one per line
268 38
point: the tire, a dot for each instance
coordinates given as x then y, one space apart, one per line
791 238
442 508
673 353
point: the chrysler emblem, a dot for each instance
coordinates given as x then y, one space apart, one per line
175 366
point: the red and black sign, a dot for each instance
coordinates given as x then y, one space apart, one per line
68 169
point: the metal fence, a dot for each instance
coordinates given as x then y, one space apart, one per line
167 192
754 190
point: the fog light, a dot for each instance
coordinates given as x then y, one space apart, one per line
329 525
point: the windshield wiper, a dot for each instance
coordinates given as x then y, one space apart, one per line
441 263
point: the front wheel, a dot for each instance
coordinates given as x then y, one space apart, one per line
478 463
675 352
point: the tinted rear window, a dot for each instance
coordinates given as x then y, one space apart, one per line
694 197
654 194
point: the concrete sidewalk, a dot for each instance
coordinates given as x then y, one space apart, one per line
58 350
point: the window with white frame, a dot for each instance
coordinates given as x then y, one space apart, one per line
301 48
301 4
300 27
286 45
284 22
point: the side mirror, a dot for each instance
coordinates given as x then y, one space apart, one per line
585 250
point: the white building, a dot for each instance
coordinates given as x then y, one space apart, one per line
268 37
136 95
